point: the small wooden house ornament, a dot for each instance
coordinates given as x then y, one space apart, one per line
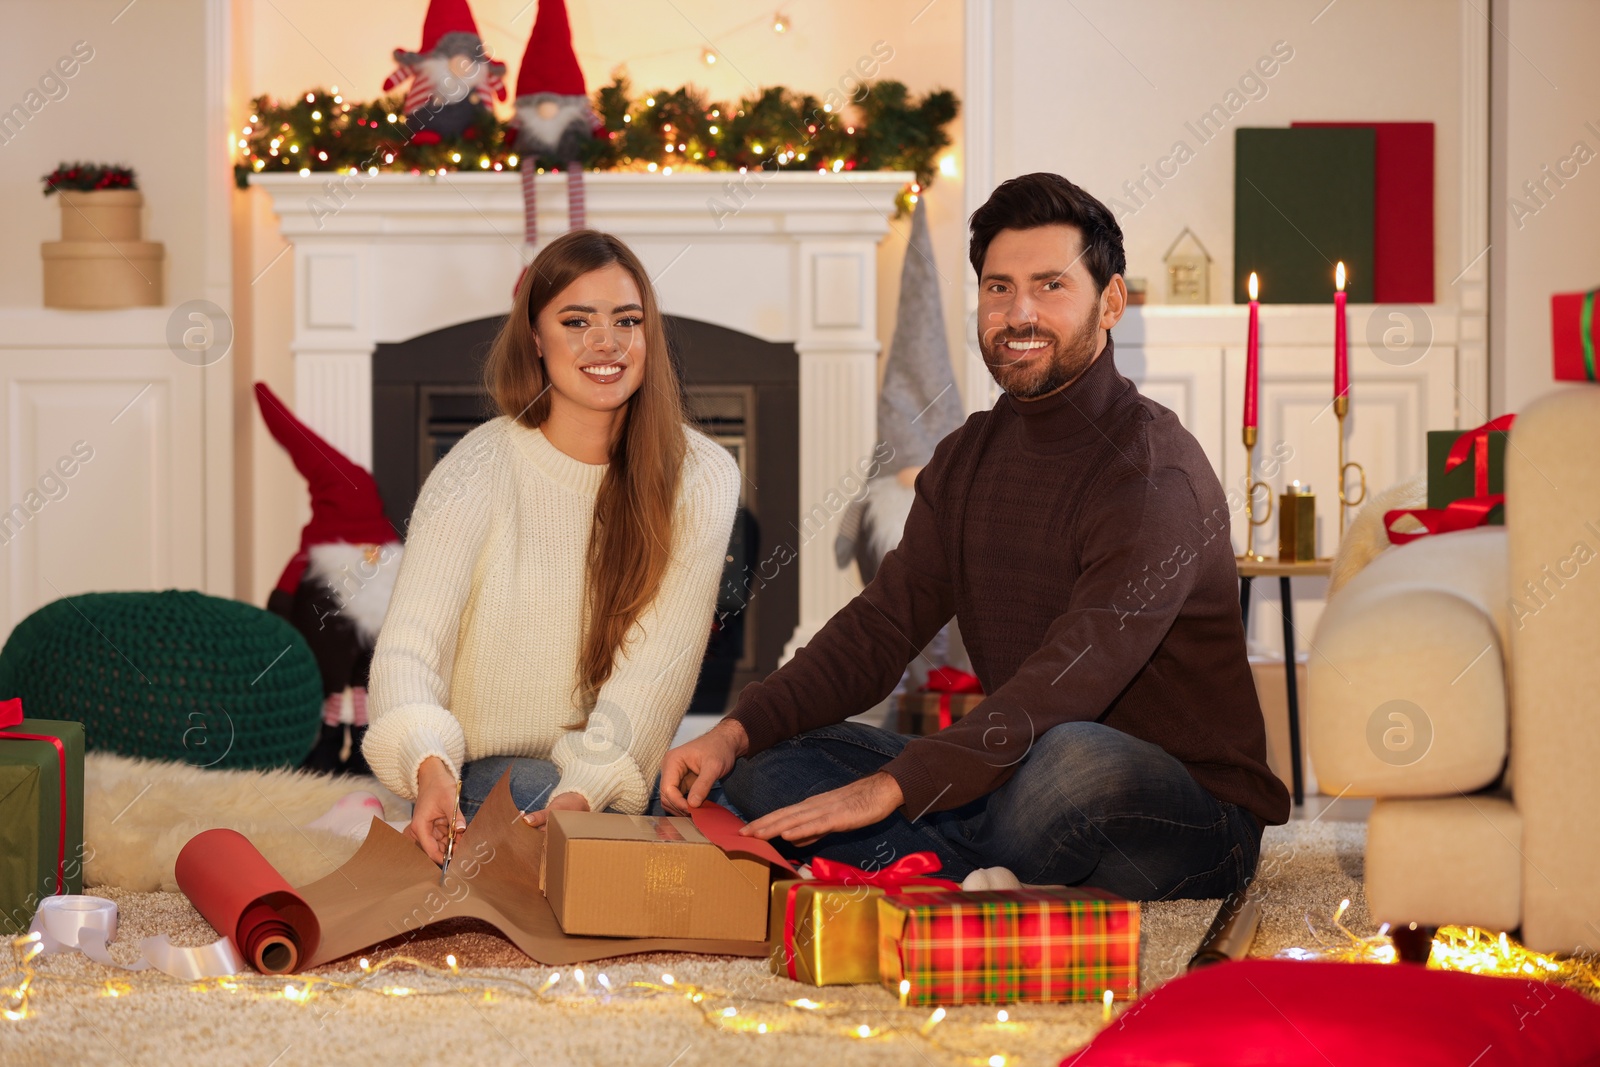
1188 270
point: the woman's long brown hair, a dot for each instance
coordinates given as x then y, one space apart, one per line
630 542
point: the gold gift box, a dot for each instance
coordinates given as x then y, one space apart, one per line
835 932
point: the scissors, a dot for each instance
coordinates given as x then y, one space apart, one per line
450 839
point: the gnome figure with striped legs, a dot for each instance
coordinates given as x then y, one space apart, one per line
453 79
554 118
336 588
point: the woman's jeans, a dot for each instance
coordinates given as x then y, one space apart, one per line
532 781
1089 806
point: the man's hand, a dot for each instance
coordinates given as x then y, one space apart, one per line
707 758
560 802
861 803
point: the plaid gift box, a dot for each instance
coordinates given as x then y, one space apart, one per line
1002 946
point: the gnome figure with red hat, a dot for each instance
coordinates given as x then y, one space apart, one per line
336 588
554 118
452 75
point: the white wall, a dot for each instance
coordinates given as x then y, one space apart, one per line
1098 89
1550 104
294 45
138 101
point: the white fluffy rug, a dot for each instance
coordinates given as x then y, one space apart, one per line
137 814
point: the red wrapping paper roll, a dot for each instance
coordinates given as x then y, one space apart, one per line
246 899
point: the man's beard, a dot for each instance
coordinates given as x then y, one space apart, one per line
1046 370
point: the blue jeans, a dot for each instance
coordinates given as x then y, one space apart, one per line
1089 806
532 781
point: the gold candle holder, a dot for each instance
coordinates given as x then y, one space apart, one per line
1250 487
1341 408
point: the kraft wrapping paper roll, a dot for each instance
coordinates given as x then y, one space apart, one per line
244 898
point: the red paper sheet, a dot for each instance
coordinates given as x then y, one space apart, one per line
1402 211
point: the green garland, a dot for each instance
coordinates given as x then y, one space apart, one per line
775 129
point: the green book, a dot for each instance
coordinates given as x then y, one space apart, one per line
1461 483
1303 200
32 819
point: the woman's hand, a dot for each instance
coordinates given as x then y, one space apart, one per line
561 802
434 808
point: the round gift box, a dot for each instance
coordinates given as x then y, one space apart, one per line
102 274
100 215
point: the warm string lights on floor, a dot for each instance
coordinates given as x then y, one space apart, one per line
404 976
1458 948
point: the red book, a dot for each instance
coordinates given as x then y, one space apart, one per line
1402 211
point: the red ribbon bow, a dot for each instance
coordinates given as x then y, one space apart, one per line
908 870
1462 514
11 715
948 680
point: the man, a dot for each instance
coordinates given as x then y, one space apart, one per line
1080 536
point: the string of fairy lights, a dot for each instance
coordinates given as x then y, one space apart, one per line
405 976
1455 948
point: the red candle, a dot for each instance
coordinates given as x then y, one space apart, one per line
1252 355
1341 344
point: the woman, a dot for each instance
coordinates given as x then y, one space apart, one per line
561 564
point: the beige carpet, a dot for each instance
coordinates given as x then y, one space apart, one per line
1306 869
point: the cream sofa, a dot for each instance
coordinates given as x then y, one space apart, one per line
1457 680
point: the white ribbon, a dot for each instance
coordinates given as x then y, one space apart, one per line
88 925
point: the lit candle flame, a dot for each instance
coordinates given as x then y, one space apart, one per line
1255 286
1338 276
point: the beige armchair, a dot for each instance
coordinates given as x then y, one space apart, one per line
1457 680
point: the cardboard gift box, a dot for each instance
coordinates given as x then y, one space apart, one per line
1574 336
1006 945
41 813
948 695
824 930
609 875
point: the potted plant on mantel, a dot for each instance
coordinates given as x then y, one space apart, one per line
102 260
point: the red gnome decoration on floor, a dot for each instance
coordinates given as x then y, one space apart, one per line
336 588
452 76
554 119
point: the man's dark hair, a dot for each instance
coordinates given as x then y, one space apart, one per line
1043 199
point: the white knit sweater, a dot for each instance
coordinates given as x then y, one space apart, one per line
478 653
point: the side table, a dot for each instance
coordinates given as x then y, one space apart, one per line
1249 570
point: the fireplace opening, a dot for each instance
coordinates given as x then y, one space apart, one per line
740 390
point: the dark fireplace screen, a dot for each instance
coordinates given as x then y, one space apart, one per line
741 391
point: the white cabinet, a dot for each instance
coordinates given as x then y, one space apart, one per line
102 458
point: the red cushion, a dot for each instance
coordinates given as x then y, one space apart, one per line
1348 1015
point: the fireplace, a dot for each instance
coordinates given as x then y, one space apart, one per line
427 393
787 260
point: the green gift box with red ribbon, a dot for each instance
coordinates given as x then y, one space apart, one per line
1575 336
41 813
1466 482
1001 946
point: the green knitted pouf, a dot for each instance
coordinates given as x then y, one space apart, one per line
173 675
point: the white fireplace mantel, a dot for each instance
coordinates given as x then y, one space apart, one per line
787 257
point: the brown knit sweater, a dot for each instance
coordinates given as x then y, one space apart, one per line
1082 541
